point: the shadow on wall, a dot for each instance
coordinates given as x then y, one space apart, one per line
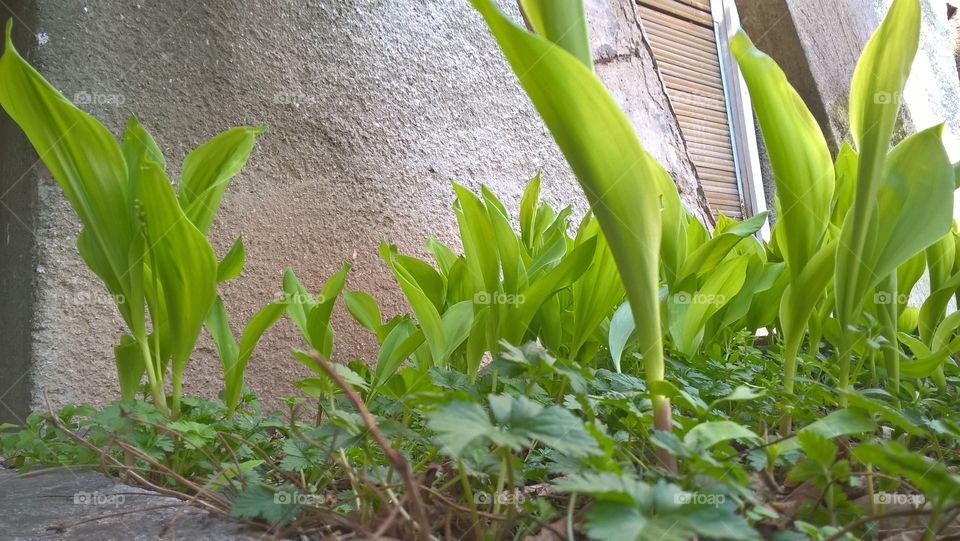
18 198
953 18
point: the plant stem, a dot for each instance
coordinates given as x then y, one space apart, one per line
156 383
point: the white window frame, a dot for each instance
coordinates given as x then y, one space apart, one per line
743 138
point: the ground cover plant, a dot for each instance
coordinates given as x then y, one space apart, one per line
557 378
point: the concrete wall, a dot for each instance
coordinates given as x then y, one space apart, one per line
818 42
373 106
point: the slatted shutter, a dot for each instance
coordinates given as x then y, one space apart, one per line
684 44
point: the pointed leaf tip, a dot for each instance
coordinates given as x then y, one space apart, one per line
8 40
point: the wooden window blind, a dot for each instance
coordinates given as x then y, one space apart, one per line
684 44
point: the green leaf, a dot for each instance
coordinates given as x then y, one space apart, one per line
528 212
519 421
563 23
476 232
530 301
208 169
817 447
232 264
607 486
688 313
457 322
258 502
911 208
706 435
364 309
183 261
460 424
621 327
265 318
554 426
802 167
299 302
86 161
838 423
938 483
711 253
425 310
627 189
130 366
398 345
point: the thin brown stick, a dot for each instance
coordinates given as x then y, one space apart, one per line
58 424
394 457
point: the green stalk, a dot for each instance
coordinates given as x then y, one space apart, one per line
156 384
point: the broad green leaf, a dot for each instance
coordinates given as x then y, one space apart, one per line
507 244
265 318
817 447
875 94
689 312
554 426
217 323
708 255
802 167
838 423
596 292
209 168
562 23
627 189
621 327
130 366
528 212
398 345
443 255
183 261
423 308
937 482
706 435
529 302
232 264
845 188
427 278
740 393
477 234
299 302
86 161
364 309
457 322
912 208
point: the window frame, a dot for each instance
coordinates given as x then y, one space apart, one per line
743 135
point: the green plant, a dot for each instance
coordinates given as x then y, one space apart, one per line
146 242
627 189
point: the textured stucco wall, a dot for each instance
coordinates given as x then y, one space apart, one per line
372 107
